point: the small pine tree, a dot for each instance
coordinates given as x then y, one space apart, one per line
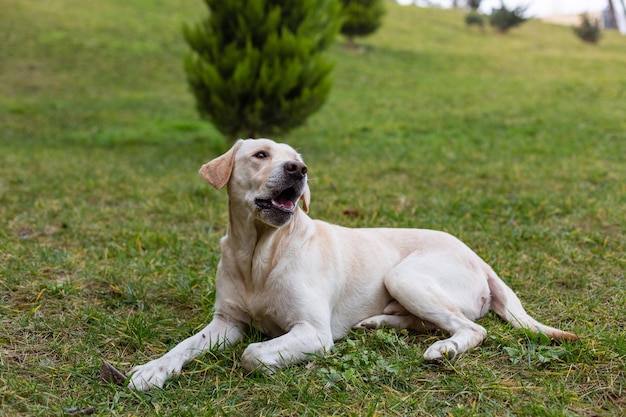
503 19
361 18
474 18
256 67
473 4
588 31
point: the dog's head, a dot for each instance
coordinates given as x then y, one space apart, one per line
268 178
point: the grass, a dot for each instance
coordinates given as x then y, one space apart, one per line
109 238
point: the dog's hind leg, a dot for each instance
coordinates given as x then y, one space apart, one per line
434 292
395 316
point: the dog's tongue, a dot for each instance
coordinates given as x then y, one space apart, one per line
286 205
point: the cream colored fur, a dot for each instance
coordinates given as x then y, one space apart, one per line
306 282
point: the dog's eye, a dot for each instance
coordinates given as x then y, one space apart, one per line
261 155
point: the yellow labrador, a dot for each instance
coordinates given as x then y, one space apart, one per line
306 283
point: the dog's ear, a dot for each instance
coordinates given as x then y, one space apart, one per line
217 171
306 198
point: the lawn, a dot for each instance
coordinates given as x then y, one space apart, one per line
109 237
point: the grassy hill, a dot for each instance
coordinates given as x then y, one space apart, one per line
109 238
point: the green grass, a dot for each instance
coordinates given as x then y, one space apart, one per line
109 237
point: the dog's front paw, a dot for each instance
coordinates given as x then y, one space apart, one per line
443 349
154 373
255 358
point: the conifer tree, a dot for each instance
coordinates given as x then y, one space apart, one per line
474 18
256 67
503 19
588 31
361 18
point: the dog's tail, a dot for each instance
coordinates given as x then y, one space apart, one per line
505 304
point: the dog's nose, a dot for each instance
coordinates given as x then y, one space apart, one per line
295 169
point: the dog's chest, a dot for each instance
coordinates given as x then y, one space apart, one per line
268 326
267 317
273 308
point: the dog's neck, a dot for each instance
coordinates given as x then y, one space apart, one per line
248 237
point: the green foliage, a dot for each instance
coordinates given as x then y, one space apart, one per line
537 350
588 31
256 66
503 19
361 18
355 364
474 19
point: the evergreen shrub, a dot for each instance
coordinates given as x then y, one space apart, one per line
256 67
361 18
503 19
588 31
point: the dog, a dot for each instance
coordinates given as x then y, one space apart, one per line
305 283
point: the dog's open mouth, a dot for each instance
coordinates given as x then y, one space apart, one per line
284 201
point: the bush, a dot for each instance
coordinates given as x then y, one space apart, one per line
256 66
473 4
588 31
503 19
474 19
361 18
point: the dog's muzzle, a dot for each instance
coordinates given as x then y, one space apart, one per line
279 206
